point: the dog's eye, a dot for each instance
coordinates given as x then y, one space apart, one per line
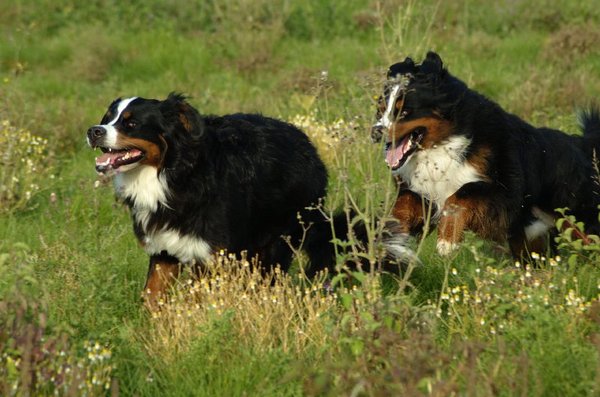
131 124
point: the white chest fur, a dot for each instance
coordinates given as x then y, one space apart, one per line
187 249
438 172
143 186
146 189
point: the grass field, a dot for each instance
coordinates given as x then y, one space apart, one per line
474 324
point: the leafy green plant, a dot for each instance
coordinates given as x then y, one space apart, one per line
580 248
34 358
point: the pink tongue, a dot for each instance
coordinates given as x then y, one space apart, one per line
394 155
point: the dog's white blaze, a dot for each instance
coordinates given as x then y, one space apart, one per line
187 249
437 173
387 119
144 186
120 108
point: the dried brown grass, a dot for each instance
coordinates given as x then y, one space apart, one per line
265 311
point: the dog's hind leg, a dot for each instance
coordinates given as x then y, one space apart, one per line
276 253
532 236
521 247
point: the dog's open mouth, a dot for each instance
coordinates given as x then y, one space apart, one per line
113 159
396 156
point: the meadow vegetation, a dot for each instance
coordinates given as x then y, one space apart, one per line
476 323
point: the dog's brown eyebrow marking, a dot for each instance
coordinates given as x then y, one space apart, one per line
400 102
126 115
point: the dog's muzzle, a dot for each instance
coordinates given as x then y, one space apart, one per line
95 134
377 132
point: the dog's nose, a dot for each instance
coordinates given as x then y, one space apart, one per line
95 132
377 133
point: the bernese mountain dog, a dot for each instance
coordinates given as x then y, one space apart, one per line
198 184
478 167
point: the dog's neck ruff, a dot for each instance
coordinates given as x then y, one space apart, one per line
438 172
144 187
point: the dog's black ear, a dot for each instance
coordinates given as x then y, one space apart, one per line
183 129
401 68
390 72
177 109
433 63
113 103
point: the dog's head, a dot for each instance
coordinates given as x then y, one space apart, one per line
137 131
415 110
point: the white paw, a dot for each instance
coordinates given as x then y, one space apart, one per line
397 247
445 248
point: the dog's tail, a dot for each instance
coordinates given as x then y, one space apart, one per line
344 236
589 121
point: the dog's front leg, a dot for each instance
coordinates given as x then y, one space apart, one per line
409 211
473 208
454 219
162 272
